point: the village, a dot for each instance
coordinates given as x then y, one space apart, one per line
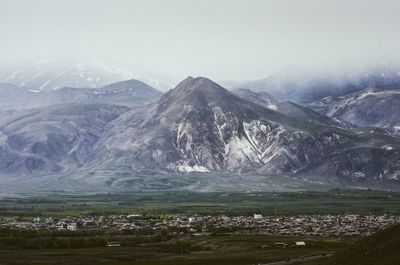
327 226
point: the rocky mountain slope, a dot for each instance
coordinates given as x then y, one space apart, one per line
371 159
287 108
201 127
51 140
197 127
368 108
261 98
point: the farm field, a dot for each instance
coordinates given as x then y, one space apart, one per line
227 249
212 203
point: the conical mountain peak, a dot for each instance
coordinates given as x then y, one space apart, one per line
197 85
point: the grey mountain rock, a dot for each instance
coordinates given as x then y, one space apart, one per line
261 98
51 140
198 127
288 108
372 159
369 108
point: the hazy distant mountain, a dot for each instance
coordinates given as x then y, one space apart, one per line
286 107
261 98
371 107
12 96
129 93
306 87
81 72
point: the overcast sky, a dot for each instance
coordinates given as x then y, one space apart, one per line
221 39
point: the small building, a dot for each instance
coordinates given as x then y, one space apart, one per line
258 216
134 215
300 244
72 227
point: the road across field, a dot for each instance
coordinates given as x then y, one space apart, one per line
302 259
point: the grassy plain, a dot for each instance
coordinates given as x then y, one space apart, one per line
227 249
213 203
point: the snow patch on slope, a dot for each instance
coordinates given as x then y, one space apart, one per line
183 167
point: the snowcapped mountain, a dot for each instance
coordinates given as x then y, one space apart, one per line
87 72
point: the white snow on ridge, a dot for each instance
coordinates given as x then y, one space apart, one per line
34 91
387 147
60 72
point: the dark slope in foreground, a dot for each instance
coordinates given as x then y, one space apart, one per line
381 248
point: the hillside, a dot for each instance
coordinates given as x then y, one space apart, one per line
381 248
370 107
287 108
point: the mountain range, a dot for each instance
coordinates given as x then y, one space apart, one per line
199 135
98 137
305 87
